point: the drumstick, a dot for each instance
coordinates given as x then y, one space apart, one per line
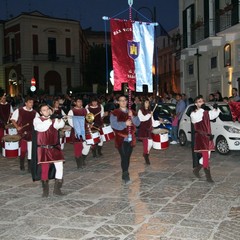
96 128
97 114
25 125
9 118
154 108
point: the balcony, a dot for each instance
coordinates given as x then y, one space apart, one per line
42 57
53 58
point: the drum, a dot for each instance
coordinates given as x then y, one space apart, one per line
160 138
92 138
10 146
106 133
10 130
67 131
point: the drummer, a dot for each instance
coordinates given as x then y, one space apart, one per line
6 111
22 119
145 116
76 119
97 110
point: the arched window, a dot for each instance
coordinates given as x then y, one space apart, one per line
227 55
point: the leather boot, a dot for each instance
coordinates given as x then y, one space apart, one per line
126 178
146 157
99 150
94 151
57 187
196 171
45 187
83 160
29 166
79 162
208 175
22 167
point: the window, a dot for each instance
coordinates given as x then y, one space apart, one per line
227 55
190 69
213 62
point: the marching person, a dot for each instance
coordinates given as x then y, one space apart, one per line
22 119
6 111
48 148
76 120
120 120
56 109
97 110
203 141
145 116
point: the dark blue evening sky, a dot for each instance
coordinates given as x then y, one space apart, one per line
90 12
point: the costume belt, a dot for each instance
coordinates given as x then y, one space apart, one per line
48 146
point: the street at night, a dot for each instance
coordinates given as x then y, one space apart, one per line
164 201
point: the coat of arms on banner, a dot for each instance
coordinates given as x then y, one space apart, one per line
133 49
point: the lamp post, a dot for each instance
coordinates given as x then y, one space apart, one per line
197 54
153 19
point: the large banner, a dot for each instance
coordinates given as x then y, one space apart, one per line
132 53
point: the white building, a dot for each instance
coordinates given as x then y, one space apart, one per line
51 50
210 59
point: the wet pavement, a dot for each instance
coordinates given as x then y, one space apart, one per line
164 201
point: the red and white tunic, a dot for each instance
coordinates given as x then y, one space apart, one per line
48 145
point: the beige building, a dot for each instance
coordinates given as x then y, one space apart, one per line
169 48
210 59
51 50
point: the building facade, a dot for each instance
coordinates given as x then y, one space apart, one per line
51 50
169 51
210 59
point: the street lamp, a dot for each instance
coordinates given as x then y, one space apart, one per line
197 54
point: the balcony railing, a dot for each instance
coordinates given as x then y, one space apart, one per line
42 57
53 58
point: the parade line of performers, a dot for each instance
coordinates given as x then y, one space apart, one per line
39 133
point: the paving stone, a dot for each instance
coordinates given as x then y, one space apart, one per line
106 208
191 233
179 208
114 230
68 233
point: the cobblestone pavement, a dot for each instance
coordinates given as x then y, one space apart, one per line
165 201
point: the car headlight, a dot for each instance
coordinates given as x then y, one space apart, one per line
232 129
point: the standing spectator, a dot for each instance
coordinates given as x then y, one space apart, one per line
218 97
235 95
174 130
180 106
120 120
211 97
48 149
203 141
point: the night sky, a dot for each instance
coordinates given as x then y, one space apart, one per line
90 12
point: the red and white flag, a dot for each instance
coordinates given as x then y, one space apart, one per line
132 54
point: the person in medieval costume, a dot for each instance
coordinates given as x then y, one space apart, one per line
145 115
48 150
97 110
203 141
22 119
76 119
121 120
6 111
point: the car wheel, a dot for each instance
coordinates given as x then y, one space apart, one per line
222 145
182 138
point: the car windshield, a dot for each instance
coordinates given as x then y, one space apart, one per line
225 114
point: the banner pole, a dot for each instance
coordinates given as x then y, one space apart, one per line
130 3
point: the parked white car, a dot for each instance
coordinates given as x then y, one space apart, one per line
226 132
